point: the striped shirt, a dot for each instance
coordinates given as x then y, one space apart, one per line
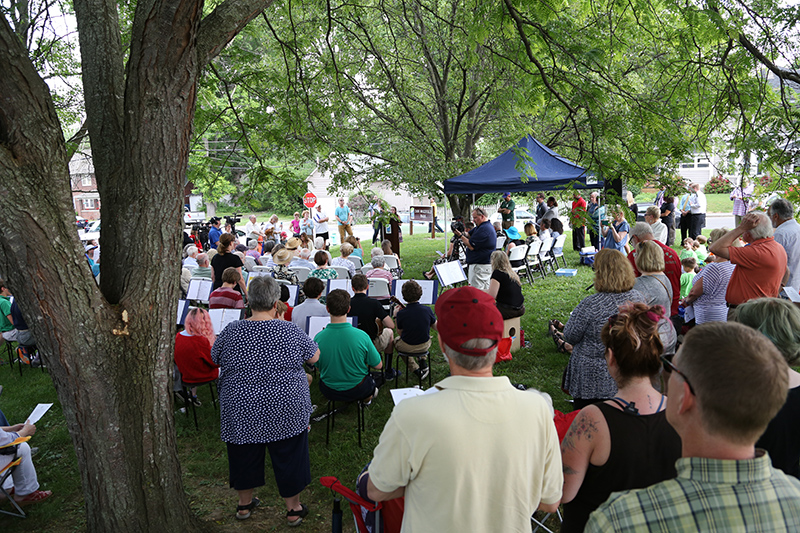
225 298
708 495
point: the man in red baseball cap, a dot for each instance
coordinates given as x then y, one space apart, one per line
478 455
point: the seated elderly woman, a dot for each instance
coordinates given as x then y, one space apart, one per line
656 288
281 269
630 444
264 401
252 244
586 377
345 249
707 295
323 271
379 269
779 321
23 483
505 287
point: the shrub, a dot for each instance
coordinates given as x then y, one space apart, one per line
718 185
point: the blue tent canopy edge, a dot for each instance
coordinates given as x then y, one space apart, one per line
501 174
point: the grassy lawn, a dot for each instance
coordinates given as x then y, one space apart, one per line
203 456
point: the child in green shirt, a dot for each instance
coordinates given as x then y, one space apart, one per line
688 249
687 277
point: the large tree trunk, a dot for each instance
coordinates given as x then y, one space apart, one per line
461 204
109 348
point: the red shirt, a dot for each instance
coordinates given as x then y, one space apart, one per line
759 270
672 269
193 357
578 212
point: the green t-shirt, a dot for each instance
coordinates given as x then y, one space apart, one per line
686 283
508 205
5 310
345 353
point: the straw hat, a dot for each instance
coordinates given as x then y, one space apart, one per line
283 256
293 243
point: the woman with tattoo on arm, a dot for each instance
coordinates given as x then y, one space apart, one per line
623 443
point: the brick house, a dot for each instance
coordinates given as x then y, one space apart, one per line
85 197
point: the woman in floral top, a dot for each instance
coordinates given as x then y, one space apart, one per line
322 271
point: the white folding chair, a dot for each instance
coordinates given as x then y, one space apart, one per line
341 272
391 262
519 253
356 261
249 263
532 259
501 241
302 273
366 268
259 268
380 289
544 255
283 281
559 245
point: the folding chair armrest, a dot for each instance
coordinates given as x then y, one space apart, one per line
18 440
10 465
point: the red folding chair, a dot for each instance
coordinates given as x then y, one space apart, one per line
388 515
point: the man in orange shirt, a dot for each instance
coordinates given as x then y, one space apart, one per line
760 267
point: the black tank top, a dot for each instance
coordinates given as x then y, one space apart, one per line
644 449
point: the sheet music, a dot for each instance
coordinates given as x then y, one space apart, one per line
38 412
294 290
398 395
343 284
183 310
450 273
315 324
199 289
255 274
222 317
430 290
792 294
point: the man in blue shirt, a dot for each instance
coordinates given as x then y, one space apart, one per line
344 217
480 243
214 233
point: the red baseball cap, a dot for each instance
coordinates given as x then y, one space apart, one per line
468 313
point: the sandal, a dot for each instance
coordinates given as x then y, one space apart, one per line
302 513
249 508
34 497
556 324
561 346
555 333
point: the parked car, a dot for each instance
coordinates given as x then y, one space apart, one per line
521 217
81 222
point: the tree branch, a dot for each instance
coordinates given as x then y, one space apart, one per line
220 26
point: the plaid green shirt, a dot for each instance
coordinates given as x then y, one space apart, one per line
707 495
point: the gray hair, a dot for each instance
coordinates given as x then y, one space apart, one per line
378 261
202 259
376 251
471 362
305 253
764 227
263 293
252 217
782 208
252 244
641 229
319 243
190 250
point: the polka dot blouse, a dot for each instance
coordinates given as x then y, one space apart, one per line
263 392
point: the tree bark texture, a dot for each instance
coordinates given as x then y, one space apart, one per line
109 349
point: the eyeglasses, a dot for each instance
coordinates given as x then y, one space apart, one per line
666 361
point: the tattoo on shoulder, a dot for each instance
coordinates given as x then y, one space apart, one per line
582 427
568 470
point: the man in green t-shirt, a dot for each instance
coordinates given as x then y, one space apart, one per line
6 325
507 210
345 355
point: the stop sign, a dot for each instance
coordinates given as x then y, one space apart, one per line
309 200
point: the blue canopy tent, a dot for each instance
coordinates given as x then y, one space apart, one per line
500 175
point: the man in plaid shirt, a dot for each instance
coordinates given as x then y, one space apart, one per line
725 384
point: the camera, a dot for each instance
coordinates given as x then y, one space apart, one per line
457 225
